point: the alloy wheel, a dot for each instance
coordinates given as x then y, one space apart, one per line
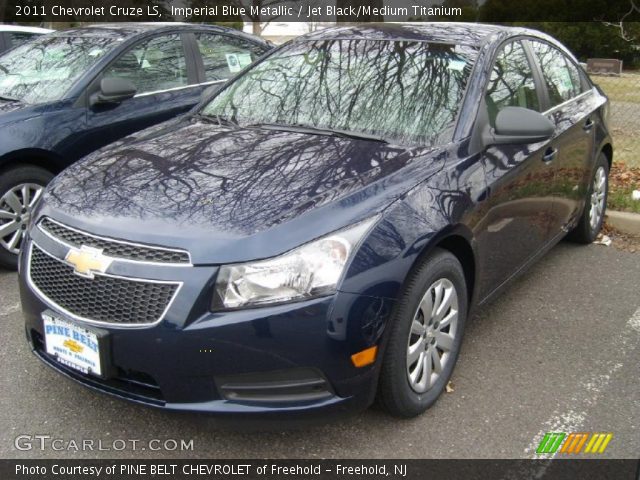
598 198
16 206
432 334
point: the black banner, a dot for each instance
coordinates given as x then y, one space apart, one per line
320 469
38 11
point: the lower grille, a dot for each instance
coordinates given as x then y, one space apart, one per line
103 298
295 385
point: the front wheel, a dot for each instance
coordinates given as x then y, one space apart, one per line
425 338
595 206
20 190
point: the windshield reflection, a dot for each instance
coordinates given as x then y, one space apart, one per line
44 69
406 92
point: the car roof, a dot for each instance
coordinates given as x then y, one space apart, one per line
20 28
473 34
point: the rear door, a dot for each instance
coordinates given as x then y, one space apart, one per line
166 80
517 223
569 106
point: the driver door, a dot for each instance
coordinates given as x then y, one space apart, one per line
166 85
517 222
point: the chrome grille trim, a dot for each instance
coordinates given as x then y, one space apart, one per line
90 321
100 241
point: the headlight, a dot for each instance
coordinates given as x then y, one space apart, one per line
311 270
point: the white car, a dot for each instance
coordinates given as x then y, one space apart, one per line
14 35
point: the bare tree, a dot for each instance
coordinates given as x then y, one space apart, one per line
314 26
623 28
258 20
345 4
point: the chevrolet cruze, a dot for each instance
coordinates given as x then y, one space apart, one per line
314 235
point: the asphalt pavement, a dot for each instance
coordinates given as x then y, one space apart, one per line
558 351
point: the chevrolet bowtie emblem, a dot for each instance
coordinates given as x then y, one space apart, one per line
72 345
87 260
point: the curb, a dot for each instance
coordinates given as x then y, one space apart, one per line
624 221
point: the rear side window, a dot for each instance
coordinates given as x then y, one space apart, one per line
18 38
561 76
511 83
224 56
153 65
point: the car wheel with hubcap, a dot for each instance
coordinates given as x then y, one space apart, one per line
425 338
595 206
20 191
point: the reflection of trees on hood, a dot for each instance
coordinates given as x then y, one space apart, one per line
209 175
251 177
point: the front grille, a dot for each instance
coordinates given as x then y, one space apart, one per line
113 248
102 298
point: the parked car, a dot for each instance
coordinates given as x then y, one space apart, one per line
69 93
317 233
13 35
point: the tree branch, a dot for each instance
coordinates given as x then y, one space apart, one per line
620 25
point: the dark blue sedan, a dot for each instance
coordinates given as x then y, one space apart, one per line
69 93
316 234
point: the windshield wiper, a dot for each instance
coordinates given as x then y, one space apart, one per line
334 132
216 119
9 99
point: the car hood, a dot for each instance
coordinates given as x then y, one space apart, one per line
226 193
13 112
9 109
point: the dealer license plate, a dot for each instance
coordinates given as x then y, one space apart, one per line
72 345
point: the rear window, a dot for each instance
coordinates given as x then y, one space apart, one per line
224 56
561 76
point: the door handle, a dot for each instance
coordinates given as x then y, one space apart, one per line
550 155
588 125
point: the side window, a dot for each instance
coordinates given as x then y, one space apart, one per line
560 75
155 64
511 83
224 56
18 38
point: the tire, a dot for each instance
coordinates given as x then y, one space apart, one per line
397 393
14 183
587 231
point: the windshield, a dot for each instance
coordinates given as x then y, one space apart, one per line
404 92
44 69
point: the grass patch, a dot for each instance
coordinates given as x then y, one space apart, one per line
625 88
626 147
624 94
620 199
622 181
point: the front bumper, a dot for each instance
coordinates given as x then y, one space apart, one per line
292 359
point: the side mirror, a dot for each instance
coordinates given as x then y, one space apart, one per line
517 125
113 90
208 92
